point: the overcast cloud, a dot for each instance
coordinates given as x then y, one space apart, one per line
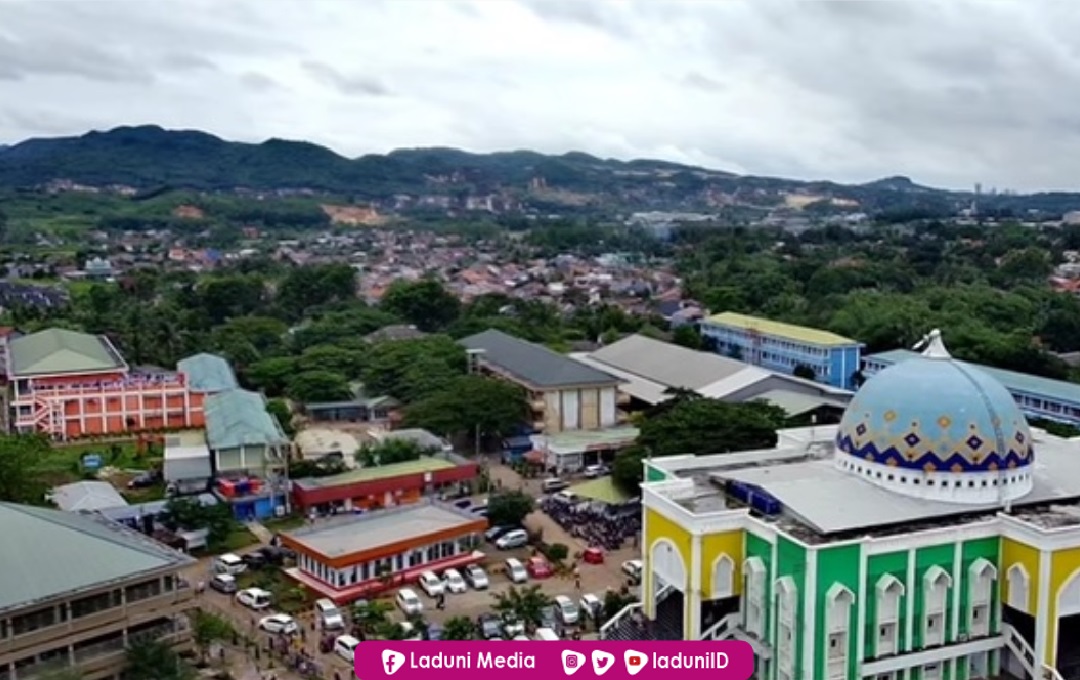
948 92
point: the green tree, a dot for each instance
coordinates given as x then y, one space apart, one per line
318 386
459 628
279 408
372 614
509 508
389 452
471 403
272 374
149 659
187 513
308 287
20 454
524 603
209 628
425 303
687 336
413 369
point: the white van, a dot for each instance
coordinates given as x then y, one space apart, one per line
345 647
545 634
329 615
515 571
553 484
229 564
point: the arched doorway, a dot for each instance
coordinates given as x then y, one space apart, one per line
669 569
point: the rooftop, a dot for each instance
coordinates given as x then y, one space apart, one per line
207 373
87 495
822 502
350 535
51 553
575 441
370 474
808 336
533 364
667 364
238 418
61 351
1013 381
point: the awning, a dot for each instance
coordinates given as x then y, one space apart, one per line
535 457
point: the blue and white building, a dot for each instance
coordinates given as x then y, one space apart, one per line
1037 397
783 347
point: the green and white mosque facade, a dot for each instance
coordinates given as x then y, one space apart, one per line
931 535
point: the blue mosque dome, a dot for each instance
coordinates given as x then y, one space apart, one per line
933 418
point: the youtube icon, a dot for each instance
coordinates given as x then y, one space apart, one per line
635 661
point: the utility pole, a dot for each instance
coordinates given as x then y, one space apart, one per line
473 357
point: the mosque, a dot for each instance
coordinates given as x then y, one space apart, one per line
931 535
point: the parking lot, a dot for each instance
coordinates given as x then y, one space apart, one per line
593 578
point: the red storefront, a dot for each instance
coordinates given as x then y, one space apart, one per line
383 486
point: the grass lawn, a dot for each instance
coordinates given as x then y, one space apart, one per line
63 464
238 539
289 596
280 524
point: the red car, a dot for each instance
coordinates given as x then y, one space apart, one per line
593 556
538 567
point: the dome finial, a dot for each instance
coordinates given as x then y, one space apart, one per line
932 346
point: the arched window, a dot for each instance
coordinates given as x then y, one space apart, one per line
936 584
755 577
787 605
723 578
889 592
981 578
838 603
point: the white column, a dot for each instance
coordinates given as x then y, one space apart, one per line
862 592
809 598
1042 613
770 603
910 593
648 590
958 583
694 599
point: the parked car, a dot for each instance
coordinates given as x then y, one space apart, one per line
408 602
553 484
549 618
273 555
594 471
632 568
328 615
512 539
453 582
434 632
254 560
431 584
254 598
479 509
476 577
282 624
538 567
591 606
144 480
224 583
568 611
512 626
489 626
229 563
409 632
496 532
515 571
345 647
462 503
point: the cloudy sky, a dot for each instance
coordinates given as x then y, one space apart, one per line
947 92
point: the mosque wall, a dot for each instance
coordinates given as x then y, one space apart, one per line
837 566
1064 572
971 554
1016 554
792 562
762 549
714 548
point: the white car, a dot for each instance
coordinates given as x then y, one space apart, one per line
409 632
591 605
632 568
512 539
408 602
254 598
230 564
568 611
477 577
278 623
453 582
594 471
345 647
431 584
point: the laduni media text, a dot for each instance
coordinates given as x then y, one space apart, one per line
477 660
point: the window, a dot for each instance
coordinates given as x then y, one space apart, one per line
838 601
94 604
1018 580
889 592
35 620
754 611
142 591
981 578
936 584
786 606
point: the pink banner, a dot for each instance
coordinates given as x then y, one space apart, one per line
727 660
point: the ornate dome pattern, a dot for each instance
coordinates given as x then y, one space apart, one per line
935 414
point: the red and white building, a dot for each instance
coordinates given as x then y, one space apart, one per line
67 385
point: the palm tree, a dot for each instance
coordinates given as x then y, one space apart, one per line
372 614
459 628
149 659
524 603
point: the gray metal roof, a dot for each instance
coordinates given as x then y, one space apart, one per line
239 418
798 403
58 350
533 364
87 495
636 386
376 529
667 364
51 553
207 373
831 500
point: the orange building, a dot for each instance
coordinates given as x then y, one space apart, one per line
351 557
68 384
